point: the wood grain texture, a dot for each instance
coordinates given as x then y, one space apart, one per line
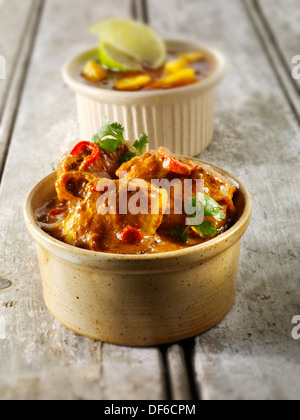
283 17
17 32
179 380
12 28
277 55
251 354
40 359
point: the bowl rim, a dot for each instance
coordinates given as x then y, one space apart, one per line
211 247
221 65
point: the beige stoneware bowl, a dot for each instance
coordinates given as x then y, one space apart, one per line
183 117
138 300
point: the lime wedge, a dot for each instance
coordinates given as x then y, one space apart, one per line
114 59
132 40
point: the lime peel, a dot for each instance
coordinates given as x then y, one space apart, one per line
113 59
134 42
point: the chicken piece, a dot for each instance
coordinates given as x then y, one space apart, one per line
156 165
116 216
71 185
147 167
85 163
216 185
175 213
161 165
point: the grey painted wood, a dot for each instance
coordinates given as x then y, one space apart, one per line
132 374
251 354
16 35
283 19
179 381
12 28
40 359
279 57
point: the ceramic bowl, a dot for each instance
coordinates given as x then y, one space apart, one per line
138 300
182 117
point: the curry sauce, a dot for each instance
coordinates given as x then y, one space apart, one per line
181 69
102 205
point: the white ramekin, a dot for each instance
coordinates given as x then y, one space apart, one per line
182 119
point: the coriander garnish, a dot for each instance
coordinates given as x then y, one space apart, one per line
111 136
206 230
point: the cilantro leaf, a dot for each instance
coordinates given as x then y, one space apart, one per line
206 230
110 145
199 206
141 143
127 157
211 207
118 129
114 130
111 136
194 209
181 232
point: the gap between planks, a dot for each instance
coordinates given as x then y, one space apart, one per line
17 82
180 360
179 377
139 10
274 54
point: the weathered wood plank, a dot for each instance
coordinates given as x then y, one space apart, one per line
40 359
251 354
13 26
179 381
132 374
278 58
283 17
16 34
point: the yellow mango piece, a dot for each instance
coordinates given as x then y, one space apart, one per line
93 72
176 65
180 78
133 83
195 231
193 56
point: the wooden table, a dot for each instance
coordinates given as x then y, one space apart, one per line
252 354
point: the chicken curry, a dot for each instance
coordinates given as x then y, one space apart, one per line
107 199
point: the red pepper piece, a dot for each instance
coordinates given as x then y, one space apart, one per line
85 147
57 212
174 165
130 235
